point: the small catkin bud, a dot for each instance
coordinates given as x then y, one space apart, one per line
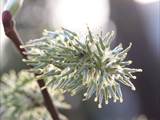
13 6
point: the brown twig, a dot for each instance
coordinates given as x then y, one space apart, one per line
11 32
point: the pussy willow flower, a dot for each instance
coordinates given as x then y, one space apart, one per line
72 65
21 99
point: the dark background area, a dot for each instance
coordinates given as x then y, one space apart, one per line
131 26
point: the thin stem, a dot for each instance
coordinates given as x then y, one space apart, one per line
11 32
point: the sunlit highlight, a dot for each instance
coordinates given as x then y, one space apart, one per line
147 1
76 14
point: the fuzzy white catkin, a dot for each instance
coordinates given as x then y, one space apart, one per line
93 65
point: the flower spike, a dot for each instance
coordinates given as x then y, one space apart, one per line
93 65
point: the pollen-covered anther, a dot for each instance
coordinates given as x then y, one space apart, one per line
109 96
134 77
85 94
106 102
99 105
139 70
95 99
115 98
121 100
133 88
130 62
